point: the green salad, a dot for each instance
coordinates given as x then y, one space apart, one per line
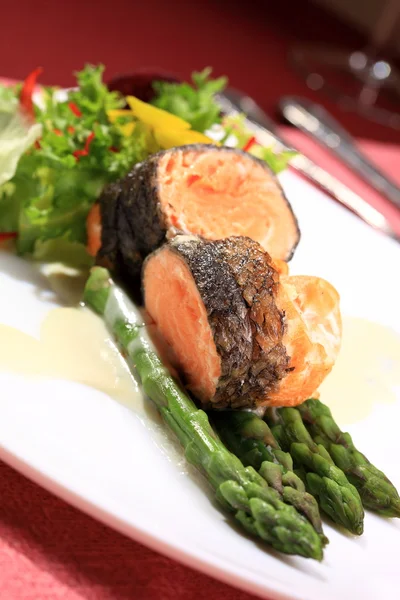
59 149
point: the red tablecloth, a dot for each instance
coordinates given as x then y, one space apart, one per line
49 550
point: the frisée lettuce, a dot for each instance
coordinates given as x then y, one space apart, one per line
77 151
17 134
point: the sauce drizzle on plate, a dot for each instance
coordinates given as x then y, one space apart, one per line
366 371
75 345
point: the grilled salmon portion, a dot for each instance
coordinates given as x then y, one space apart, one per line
240 334
206 190
214 304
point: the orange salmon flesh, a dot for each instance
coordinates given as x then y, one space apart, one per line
174 303
217 194
93 228
312 339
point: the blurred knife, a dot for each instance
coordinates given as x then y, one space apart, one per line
233 102
314 120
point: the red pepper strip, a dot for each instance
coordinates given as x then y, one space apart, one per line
70 129
8 236
74 109
85 151
58 131
113 149
25 98
249 144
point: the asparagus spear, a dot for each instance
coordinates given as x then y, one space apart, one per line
256 505
336 495
376 491
250 439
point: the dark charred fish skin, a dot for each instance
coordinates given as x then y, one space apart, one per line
131 221
259 283
142 210
141 225
237 286
114 228
109 205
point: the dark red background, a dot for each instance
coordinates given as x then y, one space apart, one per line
248 40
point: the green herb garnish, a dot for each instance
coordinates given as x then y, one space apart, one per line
194 103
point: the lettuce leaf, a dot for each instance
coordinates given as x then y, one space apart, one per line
8 99
16 136
193 103
44 202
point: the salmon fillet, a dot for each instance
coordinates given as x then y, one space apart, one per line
241 334
213 303
210 191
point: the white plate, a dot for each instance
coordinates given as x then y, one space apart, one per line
111 463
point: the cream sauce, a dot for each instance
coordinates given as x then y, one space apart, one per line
365 373
75 345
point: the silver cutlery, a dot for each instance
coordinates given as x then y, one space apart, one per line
314 120
234 102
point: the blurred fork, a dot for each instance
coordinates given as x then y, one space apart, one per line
234 102
315 120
